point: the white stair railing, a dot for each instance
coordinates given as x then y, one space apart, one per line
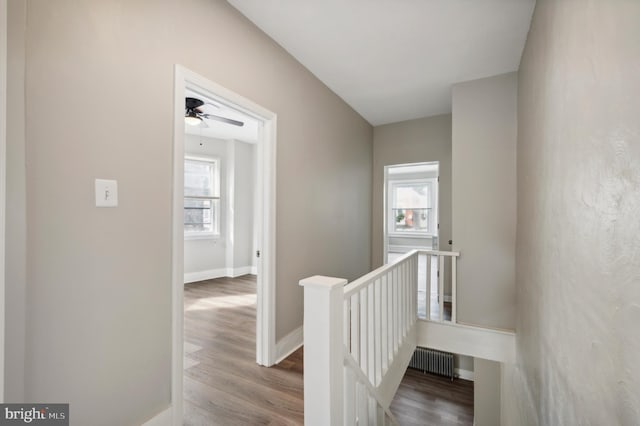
359 339
434 279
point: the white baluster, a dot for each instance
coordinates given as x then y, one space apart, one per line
378 331
384 339
345 324
363 405
349 397
389 276
454 290
428 287
355 327
371 349
403 300
364 333
441 286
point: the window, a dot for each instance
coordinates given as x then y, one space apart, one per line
412 207
201 197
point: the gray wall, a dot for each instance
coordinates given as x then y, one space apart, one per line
486 393
99 98
245 167
484 199
413 141
16 205
578 246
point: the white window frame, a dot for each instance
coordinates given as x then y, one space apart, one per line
433 222
216 207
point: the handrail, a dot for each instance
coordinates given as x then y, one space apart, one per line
354 286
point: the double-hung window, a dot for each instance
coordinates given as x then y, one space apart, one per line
412 208
201 197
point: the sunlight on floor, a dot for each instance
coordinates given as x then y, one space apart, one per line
222 302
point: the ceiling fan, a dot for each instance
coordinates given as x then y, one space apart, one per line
194 115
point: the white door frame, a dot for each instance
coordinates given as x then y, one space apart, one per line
3 175
266 232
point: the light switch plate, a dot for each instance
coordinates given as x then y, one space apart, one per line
106 193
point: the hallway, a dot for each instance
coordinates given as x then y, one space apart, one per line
223 385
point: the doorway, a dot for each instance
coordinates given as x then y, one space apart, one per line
411 208
188 82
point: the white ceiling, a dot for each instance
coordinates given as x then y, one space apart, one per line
218 130
394 60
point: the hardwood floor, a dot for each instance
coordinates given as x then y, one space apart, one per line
223 385
226 386
427 399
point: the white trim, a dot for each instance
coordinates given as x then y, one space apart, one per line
230 186
486 343
209 274
464 374
265 209
177 253
201 236
191 277
289 344
239 271
413 235
161 419
396 248
254 270
266 264
3 182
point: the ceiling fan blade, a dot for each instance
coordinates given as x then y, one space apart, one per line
223 119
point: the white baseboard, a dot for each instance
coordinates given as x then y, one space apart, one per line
464 374
448 298
236 272
289 344
161 419
191 277
254 270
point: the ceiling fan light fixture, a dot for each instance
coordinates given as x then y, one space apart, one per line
192 119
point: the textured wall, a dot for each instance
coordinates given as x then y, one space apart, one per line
99 104
483 175
578 244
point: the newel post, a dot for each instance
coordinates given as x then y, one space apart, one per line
323 350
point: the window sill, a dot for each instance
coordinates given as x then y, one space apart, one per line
411 235
201 236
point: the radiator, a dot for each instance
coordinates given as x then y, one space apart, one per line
432 361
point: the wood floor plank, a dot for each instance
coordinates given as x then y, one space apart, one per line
224 386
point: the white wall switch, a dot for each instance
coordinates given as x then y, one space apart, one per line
106 193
